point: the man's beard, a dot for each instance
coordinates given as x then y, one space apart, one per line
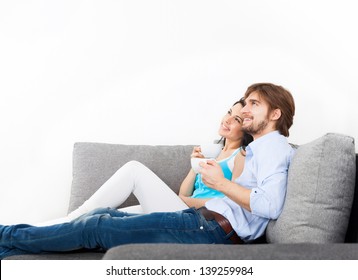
256 129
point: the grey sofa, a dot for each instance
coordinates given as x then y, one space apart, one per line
319 219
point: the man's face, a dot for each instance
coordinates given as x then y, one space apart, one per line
256 116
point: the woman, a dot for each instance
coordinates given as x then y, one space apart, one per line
231 159
153 194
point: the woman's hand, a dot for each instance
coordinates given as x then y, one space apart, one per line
196 153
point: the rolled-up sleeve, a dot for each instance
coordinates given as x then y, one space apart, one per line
268 196
267 199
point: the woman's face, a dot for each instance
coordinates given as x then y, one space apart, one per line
231 123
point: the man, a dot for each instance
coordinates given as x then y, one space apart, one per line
260 190
240 217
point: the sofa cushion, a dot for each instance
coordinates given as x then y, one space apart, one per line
303 251
319 195
94 163
76 255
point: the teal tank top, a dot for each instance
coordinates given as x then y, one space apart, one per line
203 191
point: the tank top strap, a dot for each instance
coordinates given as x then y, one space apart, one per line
234 153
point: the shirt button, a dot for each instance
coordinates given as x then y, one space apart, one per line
201 227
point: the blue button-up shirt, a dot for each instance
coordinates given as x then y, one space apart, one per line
265 173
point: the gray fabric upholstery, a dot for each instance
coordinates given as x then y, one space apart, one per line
319 193
296 251
94 163
60 256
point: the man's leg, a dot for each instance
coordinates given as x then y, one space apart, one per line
106 228
24 238
185 226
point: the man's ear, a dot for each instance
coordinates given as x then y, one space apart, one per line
276 114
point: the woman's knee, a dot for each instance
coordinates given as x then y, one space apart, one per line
134 166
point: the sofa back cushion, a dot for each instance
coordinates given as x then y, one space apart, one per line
320 191
95 163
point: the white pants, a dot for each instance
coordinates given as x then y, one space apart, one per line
133 177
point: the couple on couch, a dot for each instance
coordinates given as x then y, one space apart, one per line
230 201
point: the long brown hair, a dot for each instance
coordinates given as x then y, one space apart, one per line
277 97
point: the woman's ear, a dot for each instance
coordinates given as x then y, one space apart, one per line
276 114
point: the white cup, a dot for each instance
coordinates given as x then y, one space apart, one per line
195 163
211 150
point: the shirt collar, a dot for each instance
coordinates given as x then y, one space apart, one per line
267 137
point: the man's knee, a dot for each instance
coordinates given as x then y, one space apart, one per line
97 211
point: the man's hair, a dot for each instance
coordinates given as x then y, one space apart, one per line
277 97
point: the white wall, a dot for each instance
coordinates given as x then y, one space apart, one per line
156 72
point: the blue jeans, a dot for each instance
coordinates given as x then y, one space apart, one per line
106 228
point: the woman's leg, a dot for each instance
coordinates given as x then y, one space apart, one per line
133 177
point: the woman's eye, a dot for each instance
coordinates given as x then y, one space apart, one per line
238 120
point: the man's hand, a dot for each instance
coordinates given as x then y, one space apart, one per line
212 174
213 177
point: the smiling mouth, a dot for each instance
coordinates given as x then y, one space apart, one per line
225 127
